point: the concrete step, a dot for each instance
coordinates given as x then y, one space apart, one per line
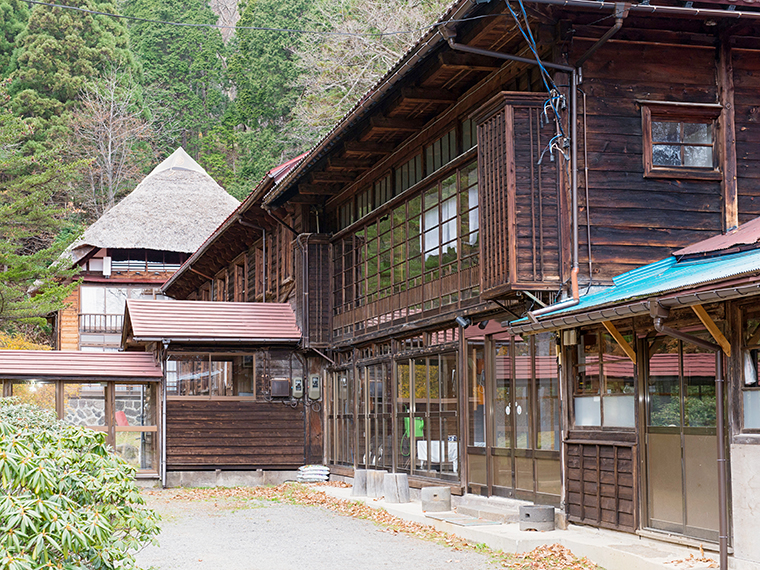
490 508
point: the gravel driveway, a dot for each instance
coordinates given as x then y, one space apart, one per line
264 535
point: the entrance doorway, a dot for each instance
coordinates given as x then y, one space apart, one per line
681 455
513 417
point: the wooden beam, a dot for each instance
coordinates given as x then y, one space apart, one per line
191 268
727 135
713 329
331 177
468 62
755 338
395 124
359 147
345 163
317 189
422 95
307 199
627 348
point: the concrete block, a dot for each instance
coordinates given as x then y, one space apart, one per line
536 517
375 480
436 499
396 488
359 486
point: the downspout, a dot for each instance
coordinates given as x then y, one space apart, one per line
264 255
305 285
659 313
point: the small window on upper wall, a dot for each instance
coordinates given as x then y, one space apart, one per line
679 140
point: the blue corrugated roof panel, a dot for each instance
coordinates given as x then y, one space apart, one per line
665 276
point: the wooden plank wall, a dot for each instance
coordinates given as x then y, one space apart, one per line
209 434
601 485
537 232
746 64
634 220
68 323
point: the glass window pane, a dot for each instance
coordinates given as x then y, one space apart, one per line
663 131
697 133
431 197
135 405
476 390
588 411
187 375
547 392
699 382
698 156
666 155
84 404
751 409
619 411
503 398
448 187
521 410
664 384
138 448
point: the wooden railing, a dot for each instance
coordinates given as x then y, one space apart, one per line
98 323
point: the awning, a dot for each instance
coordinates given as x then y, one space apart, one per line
78 366
671 281
202 321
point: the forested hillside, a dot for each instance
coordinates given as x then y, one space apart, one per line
95 93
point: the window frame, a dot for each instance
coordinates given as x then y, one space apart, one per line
749 344
209 357
690 113
601 392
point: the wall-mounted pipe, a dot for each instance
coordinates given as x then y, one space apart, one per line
621 12
660 327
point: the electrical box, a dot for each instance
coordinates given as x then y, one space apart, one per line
280 388
298 387
315 388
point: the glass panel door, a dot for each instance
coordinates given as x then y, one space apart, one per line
681 441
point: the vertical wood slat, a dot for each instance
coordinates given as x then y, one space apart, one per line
727 135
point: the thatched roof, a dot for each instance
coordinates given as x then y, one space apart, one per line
175 208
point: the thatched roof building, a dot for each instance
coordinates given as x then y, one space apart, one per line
175 208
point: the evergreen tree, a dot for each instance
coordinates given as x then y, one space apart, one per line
31 225
183 68
263 69
13 17
57 54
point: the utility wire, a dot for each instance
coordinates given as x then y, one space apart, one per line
258 28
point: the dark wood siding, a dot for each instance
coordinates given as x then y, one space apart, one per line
233 434
637 220
747 117
601 485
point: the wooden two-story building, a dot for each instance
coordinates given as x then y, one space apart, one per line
520 154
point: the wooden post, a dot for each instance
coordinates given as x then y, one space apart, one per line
727 135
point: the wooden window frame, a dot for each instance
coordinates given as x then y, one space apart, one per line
209 358
693 113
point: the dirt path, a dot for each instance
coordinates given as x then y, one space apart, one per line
225 534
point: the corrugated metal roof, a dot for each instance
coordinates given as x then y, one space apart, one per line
75 365
745 235
194 321
659 278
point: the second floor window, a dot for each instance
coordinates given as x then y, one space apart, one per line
679 140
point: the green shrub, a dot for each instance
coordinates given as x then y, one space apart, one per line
65 500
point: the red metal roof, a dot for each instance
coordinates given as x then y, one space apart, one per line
75 365
194 321
743 237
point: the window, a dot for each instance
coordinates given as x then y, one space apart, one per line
429 236
679 140
603 383
750 361
210 375
408 174
440 152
